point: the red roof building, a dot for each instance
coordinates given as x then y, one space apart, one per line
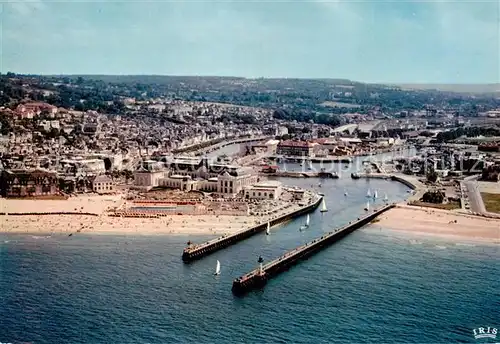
295 148
30 110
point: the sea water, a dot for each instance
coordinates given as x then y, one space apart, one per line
371 287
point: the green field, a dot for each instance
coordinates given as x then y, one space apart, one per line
491 202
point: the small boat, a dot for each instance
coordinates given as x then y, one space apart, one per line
310 165
268 228
323 207
367 206
321 194
368 193
70 234
375 194
386 199
345 193
217 269
306 224
319 184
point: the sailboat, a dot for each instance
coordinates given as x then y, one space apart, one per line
323 207
310 167
386 199
367 206
368 193
307 223
268 228
319 184
217 269
345 192
375 194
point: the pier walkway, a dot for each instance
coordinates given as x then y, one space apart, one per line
258 278
194 252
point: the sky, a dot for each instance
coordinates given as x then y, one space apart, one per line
369 41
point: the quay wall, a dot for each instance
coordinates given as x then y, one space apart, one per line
292 174
191 254
255 280
404 181
340 159
400 179
371 175
216 144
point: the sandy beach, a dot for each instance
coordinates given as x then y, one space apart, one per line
103 224
440 223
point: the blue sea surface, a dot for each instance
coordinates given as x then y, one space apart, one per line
374 286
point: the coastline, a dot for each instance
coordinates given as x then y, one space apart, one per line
426 222
84 224
101 223
414 220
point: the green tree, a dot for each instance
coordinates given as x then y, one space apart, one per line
432 176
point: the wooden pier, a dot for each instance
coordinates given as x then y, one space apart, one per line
259 277
194 252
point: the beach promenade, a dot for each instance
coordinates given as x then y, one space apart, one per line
101 223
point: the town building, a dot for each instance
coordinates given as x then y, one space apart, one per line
31 110
194 174
103 184
88 166
295 148
265 190
28 183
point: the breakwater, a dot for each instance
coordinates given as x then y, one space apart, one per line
194 252
259 277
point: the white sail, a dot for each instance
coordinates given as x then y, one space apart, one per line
323 206
386 198
217 269
268 228
375 194
368 193
307 220
367 206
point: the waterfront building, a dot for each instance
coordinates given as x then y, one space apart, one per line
28 183
265 190
269 146
295 148
194 174
149 174
103 184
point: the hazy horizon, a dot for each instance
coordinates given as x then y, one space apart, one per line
457 88
368 41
